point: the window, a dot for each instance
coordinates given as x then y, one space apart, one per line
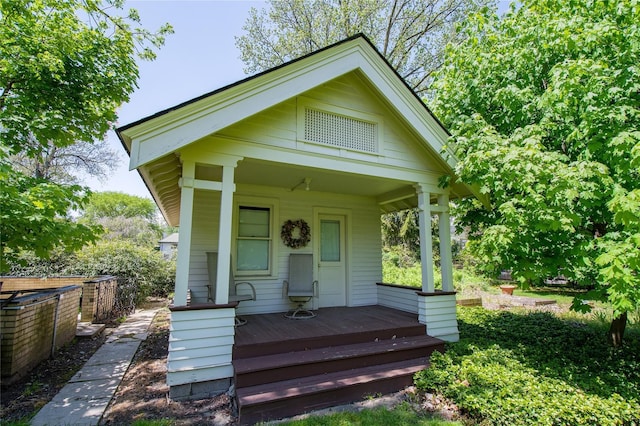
253 244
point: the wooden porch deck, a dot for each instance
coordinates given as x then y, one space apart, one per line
285 367
341 325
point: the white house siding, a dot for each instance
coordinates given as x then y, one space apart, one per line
439 315
277 126
363 245
402 299
200 343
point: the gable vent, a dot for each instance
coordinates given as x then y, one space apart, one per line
340 131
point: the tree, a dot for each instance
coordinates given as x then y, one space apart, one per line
544 106
411 34
124 217
114 204
66 165
65 66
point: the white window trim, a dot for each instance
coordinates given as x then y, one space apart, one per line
303 103
273 205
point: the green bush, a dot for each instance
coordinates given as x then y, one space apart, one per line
143 266
395 272
534 368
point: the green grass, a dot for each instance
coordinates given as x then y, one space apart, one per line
161 422
535 368
402 415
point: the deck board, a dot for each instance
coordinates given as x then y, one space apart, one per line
270 328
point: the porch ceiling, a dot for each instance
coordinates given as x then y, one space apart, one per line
292 177
288 176
162 178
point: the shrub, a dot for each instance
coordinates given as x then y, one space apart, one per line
145 267
534 368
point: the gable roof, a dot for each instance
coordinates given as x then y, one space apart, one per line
154 138
254 94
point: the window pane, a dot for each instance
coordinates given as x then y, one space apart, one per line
253 255
253 222
330 241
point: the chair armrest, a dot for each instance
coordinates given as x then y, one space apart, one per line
315 288
210 291
285 288
253 289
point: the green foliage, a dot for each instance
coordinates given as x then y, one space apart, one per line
33 216
411 34
162 422
544 108
536 369
65 66
465 280
27 264
113 204
403 415
145 267
124 216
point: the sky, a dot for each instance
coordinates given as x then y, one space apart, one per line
198 58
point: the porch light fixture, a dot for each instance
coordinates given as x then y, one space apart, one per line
306 181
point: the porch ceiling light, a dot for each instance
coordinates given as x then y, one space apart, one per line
306 181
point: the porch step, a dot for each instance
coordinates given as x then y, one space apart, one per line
284 366
334 340
296 396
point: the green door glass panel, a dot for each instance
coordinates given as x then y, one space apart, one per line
330 241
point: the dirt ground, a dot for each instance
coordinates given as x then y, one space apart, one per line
22 399
142 394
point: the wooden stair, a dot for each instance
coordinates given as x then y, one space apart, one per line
298 376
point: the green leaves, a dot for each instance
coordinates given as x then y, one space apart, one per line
544 107
63 76
514 368
65 67
33 216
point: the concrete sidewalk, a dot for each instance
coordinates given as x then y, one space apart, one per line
85 398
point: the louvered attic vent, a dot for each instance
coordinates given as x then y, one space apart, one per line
340 131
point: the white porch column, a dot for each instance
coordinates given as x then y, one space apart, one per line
184 233
426 251
444 232
224 235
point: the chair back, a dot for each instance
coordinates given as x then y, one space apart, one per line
300 272
212 270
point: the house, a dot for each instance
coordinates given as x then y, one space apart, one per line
169 245
329 141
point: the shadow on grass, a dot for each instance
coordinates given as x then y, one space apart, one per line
574 352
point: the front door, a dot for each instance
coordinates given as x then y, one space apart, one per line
332 283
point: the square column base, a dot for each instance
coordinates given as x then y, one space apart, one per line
437 310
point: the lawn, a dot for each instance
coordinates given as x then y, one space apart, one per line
402 415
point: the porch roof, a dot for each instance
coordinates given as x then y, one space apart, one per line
155 143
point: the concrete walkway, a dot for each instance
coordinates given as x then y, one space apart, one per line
85 398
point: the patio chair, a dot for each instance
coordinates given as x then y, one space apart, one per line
300 287
212 269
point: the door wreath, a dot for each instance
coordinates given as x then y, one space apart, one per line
294 239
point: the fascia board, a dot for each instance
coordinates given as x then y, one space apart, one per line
411 108
162 135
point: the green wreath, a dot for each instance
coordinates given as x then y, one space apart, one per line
287 233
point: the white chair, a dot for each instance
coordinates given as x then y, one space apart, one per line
212 269
300 287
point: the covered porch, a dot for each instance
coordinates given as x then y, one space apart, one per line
331 141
